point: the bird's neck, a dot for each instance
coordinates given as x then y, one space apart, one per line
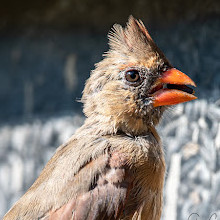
103 125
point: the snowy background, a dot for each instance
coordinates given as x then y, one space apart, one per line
42 73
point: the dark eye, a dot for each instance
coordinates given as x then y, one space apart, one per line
132 75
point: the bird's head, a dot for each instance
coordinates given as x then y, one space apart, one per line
134 83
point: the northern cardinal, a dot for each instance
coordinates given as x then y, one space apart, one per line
113 166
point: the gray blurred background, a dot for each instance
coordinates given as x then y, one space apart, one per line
47 49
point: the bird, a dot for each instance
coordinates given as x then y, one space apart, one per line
113 167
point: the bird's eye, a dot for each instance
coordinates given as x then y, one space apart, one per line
132 75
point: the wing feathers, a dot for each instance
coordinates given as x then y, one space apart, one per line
106 198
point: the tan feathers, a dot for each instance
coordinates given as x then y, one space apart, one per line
133 39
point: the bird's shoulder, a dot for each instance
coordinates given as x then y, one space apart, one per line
77 168
105 195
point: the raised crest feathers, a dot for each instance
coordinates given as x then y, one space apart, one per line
133 38
134 32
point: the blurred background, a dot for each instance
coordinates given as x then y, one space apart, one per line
47 49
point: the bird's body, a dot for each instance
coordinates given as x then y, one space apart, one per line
113 167
80 173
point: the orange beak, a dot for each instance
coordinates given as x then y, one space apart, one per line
176 90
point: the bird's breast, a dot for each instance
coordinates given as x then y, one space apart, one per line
146 165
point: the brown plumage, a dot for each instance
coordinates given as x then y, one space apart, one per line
113 166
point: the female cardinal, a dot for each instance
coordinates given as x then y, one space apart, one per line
113 167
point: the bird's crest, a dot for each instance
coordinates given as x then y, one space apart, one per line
134 38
